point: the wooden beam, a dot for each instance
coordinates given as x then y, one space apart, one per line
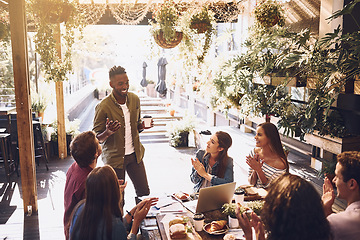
327 8
59 90
23 106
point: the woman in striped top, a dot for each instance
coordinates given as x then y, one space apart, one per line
268 160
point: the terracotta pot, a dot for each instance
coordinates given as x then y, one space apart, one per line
41 114
161 41
172 112
270 24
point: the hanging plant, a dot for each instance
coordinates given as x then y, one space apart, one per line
4 28
202 22
165 29
48 14
269 13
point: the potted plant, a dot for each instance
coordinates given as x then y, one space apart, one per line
71 129
229 209
38 104
150 88
179 130
256 206
47 15
269 13
165 30
202 21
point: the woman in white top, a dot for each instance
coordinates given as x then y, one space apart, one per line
268 160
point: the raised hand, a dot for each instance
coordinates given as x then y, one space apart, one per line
112 126
254 162
258 225
198 166
328 196
122 185
143 207
244 223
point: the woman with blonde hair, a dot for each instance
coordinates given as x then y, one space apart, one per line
268 160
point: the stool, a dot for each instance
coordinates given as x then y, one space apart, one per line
10 164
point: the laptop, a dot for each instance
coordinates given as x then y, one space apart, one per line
212 198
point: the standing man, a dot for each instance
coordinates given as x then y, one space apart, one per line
117 124
346 224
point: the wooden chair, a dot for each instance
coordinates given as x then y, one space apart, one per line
6 157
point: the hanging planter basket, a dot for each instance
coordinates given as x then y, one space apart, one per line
3 30
269 13
200 27
269 23
161 41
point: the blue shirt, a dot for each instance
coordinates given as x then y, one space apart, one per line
198 180
118 227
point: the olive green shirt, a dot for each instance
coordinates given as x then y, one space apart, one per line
113 147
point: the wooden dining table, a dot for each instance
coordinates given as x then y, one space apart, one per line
156 229
159 231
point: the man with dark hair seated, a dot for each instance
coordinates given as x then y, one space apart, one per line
346 224
85 149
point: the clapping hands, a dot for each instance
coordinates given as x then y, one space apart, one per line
246 225
198 166
328 196
142 208
254 162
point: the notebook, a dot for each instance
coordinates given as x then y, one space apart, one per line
212 198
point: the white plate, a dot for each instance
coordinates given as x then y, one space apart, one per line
222 231
183 200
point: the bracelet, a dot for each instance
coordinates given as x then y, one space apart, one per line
132 217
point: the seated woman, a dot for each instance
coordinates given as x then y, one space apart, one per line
213 166
99 215
292 210
269 160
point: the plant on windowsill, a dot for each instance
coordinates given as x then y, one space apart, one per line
165 30
179 130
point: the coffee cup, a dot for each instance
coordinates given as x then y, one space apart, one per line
239 195
147 121
198 221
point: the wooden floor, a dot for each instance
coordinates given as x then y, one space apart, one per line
168 171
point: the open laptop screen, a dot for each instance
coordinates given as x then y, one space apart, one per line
214 197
